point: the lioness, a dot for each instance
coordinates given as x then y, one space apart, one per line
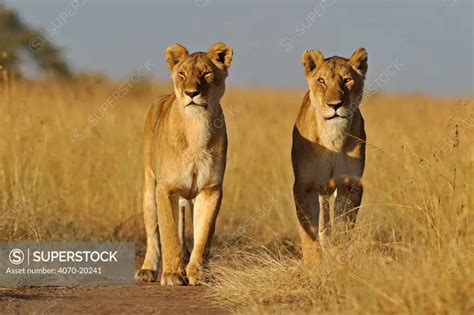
328 150
185 147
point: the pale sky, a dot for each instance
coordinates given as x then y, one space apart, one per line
414 46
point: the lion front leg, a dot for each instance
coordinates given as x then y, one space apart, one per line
307 211
206 209
149 269
348 200
173 265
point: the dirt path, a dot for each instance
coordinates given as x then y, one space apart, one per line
106 299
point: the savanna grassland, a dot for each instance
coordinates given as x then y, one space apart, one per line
72 170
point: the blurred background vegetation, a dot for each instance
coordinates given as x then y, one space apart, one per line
21 44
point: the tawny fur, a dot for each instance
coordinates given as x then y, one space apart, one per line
185 146
328 150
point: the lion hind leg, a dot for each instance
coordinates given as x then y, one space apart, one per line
183 204
324 221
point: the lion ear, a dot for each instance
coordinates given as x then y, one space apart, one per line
358 61
311 59
221 55
174 54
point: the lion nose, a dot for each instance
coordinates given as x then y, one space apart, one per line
192 93
335 104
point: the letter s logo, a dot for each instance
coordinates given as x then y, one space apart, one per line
16 256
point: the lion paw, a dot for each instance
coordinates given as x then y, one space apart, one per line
146 275
173 278
195 276
194 281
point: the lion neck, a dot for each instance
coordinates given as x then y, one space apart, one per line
197 129
332 134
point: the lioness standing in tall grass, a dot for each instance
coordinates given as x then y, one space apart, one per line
328 152
185 147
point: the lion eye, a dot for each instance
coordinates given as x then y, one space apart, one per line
347 80
182 74
321 80
207 74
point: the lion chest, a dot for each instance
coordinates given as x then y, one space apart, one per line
323 169
199 170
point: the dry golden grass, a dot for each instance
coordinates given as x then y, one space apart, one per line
413 247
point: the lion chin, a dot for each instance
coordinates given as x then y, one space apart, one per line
195 109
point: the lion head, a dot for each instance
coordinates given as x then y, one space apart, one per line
336 87
199 78
336 84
